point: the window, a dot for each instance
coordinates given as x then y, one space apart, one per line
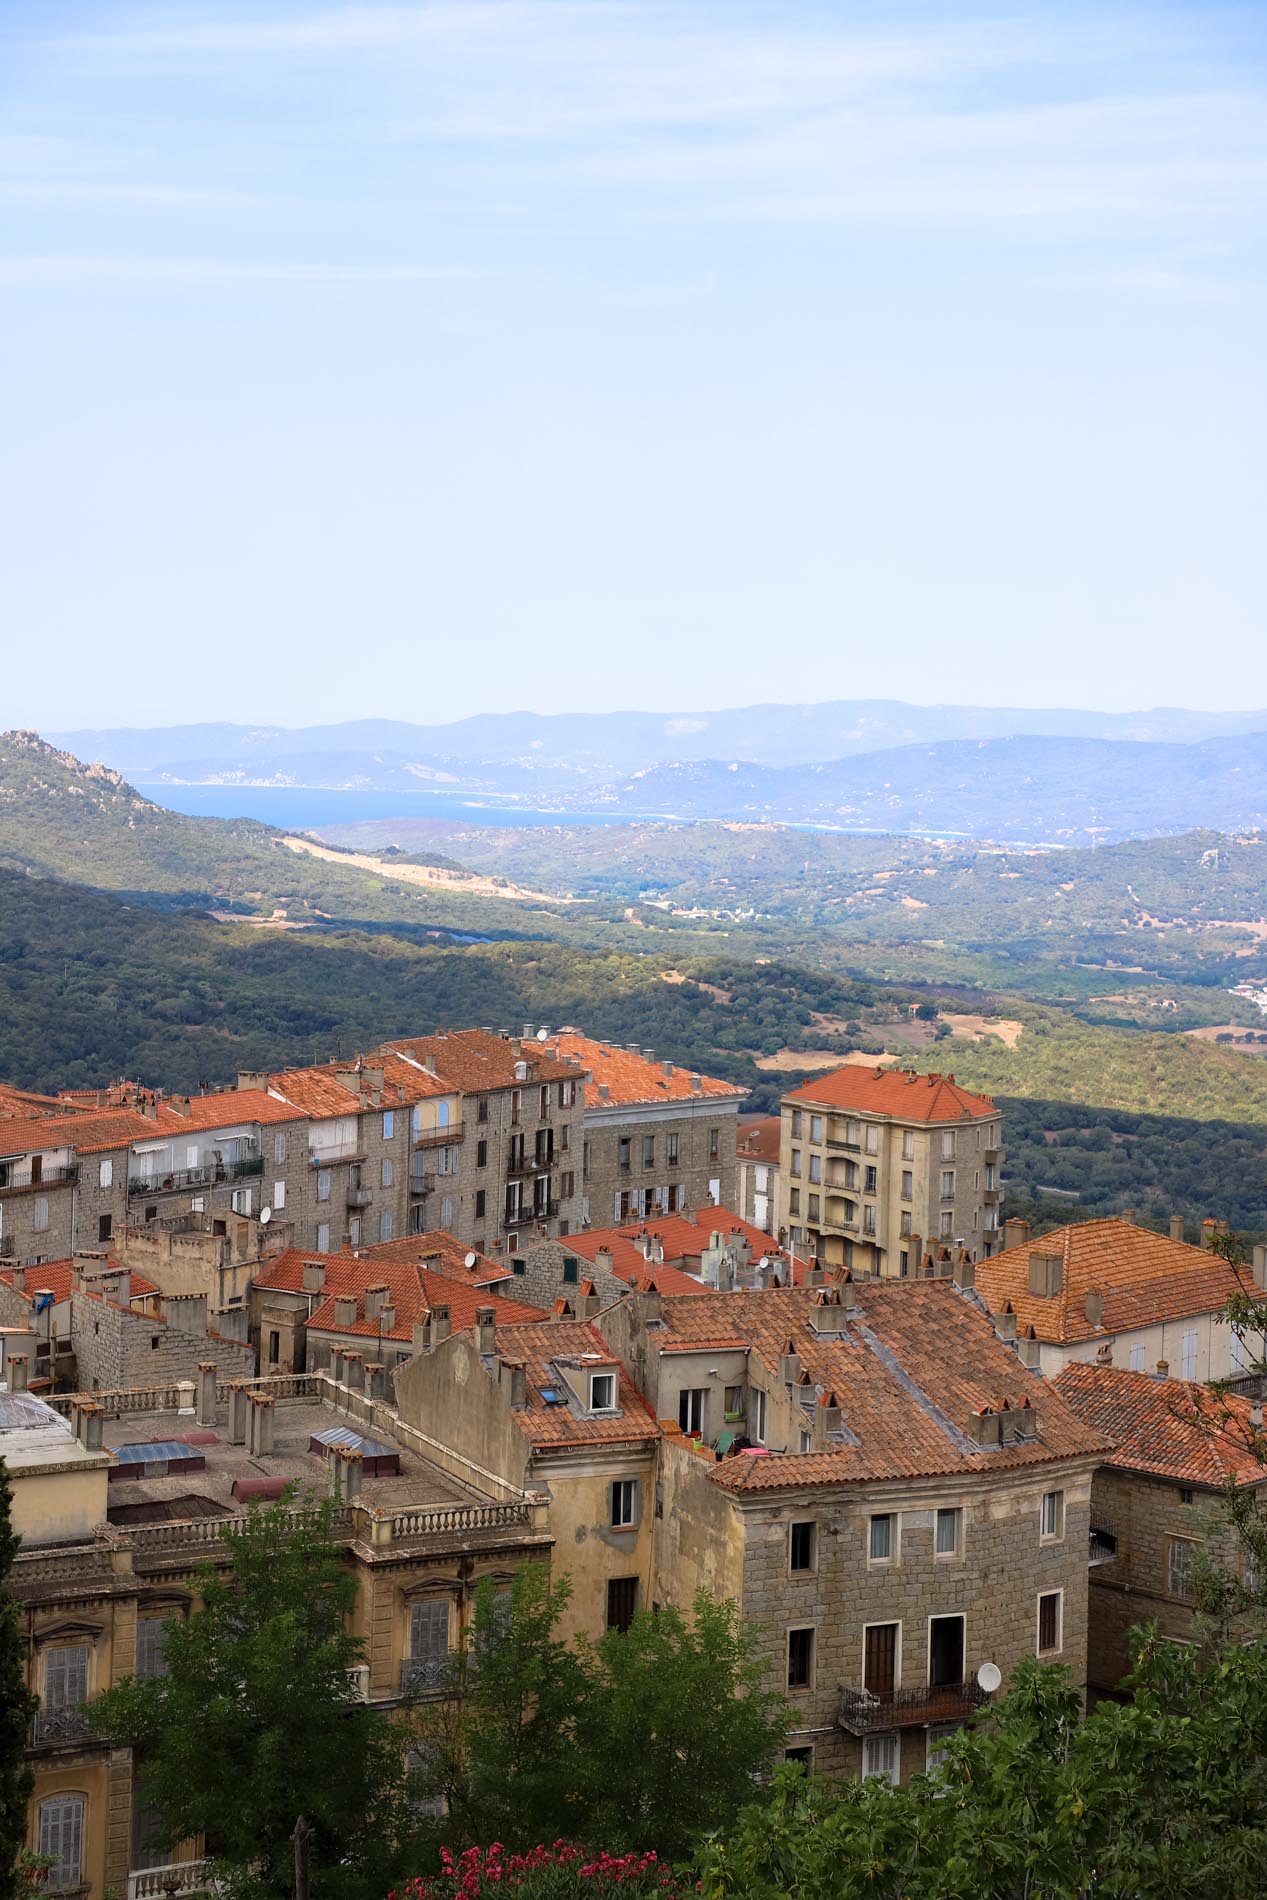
946 1647
868 1217
1137 1359
323 1237
758 1415
622 1601
279 1195
948 1184
105 1227
1053 1518
516 1105
873 1138
905 1223
106 1176
908 1144
624 1504
814 1209
795 1167
1180 1561
389 1123
427 1666
354 1230
622 1154
602 1392
881 1545
481 1154
446 1213
908 1184
946 1225
794 1201
648 1151
798 1122
151 1637
323 1184
62 1839
274 1348
481 1108
1189 1358
947 1536
385 1225
802 1547
39 1219
567 1094
1049 1621
800 1659
879 1659
807 1441
816 1168
869 1181
803 1756
939 1740
672 1141
567 1184
481 1203
948 1144
543 1101
571 1270
690 1409
279 1150
65 1678
714 1143
388 1172
815 1127
880 1758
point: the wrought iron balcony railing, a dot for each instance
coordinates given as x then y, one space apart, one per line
863 1712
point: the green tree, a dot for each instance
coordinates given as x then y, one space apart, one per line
679 1728
16 1708
254 1724
1160 1798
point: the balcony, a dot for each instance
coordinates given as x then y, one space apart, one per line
180 1180
420 1184
8 1247
1101 1545
440 1137
360 1196
54 1727
335 1157
991 1196
526 1215
990 1157
183 1876
30 1181
424 1675
847 1147
864 1713
529 1165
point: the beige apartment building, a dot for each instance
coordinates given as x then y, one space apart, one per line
116 1517
877 1165
659 1139
890 1496
757 1157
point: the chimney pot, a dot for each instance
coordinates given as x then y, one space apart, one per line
1015 1233
486 1329
1094 1307
17 1368
1163 1369
441 1324
1176 1227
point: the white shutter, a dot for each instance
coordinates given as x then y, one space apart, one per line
880 1757
62 1839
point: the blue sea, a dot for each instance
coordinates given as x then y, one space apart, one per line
308 808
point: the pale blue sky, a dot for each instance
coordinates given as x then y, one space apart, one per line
427 359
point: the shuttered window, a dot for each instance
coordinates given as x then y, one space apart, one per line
427 1664
151 1636
66 1677
62 1839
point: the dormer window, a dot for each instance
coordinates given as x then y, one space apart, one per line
602 1392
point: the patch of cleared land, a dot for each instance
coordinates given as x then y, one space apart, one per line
431 875
981 1028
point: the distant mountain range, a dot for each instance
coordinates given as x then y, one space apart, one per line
983 773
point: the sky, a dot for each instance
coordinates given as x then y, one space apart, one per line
420 360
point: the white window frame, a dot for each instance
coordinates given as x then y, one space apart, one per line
807 1687
606 1381
889 1747
1136 1359
105 1177
883 1622
695 1398
1051 1518
624 1504
811 1568
279 1150
943 1616
1060 1622
1189 1350
61 1818
890 1558
389 1124
955 1513
279 1195
758 1413
323 1237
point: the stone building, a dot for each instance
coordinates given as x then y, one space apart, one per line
147 1340
1120 1295
1157 1501
513 1166
884 1489
658 1138
874 1164
757 1159
549 1408
116 1517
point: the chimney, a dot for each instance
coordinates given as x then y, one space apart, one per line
1094 1307
789 1364
827 1419
667 1067
1027 1347
1046 1275
387 1317
486 1330
697 1086
184 1398
91 1419
604 1093
376 1380
354 1371
237 1412
1015 1233
987 1428
345 1311
964 1273
206 1400
814 1275
259 1424
603 1259
1163 1369
848 1294
338 1365
1176 1227
1007 1423
1026 1419
1128 1215
441 1324
375 1297
1260 1267
1005 1323
347 1469
314 1276
1256 1416
17 1279
17 1367
420 1336
587 1301
518 1384
650 1306
1209 1228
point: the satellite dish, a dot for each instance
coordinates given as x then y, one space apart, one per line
471 1258
989 1676
266 1215
543 1035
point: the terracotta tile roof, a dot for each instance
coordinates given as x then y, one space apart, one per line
759 1140
558 1427
437 1250
683 1237
55 1277
225 1109
89 1133
916 1364
23 1103
900 1093
329 1088
413 1291
631 1078
475 1060
629 1265
1166 1428
1142 1278
313 1092
421 1271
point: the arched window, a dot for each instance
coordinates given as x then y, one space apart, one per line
62 1839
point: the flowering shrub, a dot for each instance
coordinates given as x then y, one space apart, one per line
544 1873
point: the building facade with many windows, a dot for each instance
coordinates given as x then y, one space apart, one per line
875 1166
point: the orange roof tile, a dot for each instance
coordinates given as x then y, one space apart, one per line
1166 1428
628 1077
682 1236
225 1109
759 1140
903 1094
89 1133
421 1271
55 1277
557 1427
436 1249
313 1092
629 1265
475 1060
1142 1278
915 1364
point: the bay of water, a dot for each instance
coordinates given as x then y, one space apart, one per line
307 808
